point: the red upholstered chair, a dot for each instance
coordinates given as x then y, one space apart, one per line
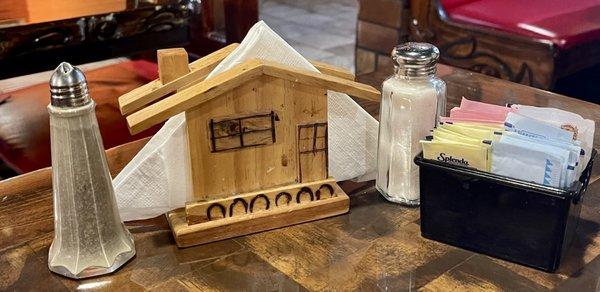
534 42
24 120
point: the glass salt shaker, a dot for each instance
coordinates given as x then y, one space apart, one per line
89 237
413 99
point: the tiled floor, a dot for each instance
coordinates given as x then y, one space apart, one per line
319 30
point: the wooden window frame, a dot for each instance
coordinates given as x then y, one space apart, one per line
316 127
241 131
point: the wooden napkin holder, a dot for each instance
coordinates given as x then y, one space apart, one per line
257 136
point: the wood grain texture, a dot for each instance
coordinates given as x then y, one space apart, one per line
325 81
236 76
199 69
312 151
247 223
172 64
332 70
193 96
376 246
221 174
389 13
263 200
154 90
235 147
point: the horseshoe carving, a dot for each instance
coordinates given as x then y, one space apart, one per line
283 194
235 202
325 186
302 191
215 205
268 203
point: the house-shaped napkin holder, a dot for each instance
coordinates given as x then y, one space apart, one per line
257 136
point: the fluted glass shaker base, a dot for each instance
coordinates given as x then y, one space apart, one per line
401 201
93 271
400 187
89 237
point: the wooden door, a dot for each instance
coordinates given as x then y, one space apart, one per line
312 152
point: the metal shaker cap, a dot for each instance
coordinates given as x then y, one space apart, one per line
68 87
415 59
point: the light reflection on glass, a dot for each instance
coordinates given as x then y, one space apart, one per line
93 285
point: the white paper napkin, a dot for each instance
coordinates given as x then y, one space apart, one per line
158 179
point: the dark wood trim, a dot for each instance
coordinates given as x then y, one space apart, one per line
42 46
529 61
36 61
240 16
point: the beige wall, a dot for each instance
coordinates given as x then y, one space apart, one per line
222 173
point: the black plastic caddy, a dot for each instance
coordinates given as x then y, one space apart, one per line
514 220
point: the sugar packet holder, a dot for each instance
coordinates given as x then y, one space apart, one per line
494 215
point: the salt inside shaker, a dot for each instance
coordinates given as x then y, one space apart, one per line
89 237
412 100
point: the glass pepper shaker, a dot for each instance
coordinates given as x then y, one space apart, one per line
89 237
413 99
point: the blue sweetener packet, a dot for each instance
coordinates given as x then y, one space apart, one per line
574 165
583 129
534 128
530 161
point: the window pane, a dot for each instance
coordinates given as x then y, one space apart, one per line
321 130
244 131
321 143
305 141
256 123
227 143
226 128
258 138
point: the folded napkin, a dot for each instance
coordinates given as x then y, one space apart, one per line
158 178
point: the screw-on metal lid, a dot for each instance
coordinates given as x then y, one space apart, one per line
68 87
415 59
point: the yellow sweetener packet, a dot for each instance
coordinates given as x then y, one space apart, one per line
482 126
454 137
469 131
446 131
449 136
462 154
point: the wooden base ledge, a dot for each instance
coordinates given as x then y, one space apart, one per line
284 213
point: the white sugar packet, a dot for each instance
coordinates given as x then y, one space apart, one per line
158 178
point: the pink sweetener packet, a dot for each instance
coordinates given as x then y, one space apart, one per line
484 107
460 113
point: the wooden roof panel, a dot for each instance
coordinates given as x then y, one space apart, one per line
206 90
154 90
